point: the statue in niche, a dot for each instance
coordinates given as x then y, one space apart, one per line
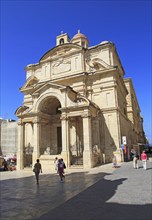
95 149
47 151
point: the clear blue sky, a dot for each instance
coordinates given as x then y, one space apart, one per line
29 29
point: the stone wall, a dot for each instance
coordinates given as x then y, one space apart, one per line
8 140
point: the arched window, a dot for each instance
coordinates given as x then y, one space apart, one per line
61 41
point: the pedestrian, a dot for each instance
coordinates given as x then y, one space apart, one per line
135 160
114 160
64 167
132 154
37 169
144 160
61 167
56 164
5 165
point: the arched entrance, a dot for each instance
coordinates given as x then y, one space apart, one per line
51 132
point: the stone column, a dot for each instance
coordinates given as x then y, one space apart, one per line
36 150
65 140
20 150
87 141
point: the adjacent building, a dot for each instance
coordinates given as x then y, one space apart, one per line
78 106
8 137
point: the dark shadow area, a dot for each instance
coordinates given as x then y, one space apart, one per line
22 198
92 204
83 196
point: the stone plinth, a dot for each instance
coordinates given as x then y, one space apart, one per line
47 162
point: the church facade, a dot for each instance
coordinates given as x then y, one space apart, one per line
77 106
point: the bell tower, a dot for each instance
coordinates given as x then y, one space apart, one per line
63 38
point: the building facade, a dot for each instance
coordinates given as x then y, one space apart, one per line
8 137
78 106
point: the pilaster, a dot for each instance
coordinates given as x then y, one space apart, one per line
65 140
20 151
87 139
37 138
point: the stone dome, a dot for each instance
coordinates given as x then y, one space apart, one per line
80 39
78 36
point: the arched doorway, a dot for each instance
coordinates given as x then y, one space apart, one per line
51 132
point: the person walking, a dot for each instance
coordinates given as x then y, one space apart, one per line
61 167
144 160
37 169
132 154
56 164
114 160
135 160
5 165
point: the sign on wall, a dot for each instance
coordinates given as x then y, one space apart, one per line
124 140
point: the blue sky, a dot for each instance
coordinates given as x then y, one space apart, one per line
29 29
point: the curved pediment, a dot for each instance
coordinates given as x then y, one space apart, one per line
59 51
20 110
31 82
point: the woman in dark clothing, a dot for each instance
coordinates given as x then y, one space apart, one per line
37 169
61 167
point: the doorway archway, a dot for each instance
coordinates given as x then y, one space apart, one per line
51 132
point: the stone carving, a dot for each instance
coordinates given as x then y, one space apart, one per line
64 117
95 64
81 100
95 149
89 65
86 115
61 66
47 151
36 120
20 122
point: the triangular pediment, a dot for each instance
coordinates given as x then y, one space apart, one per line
47 86
60 50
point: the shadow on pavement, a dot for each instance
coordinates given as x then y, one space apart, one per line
81 197
92 204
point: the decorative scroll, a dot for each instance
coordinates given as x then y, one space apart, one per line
86 115
20 122
36 120
64 117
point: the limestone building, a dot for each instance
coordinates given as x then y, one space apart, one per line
8 137
78 106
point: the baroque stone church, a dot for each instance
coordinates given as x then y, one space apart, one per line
77 106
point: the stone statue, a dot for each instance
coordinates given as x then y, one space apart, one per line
47 151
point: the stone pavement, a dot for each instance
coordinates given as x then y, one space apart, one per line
102 193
